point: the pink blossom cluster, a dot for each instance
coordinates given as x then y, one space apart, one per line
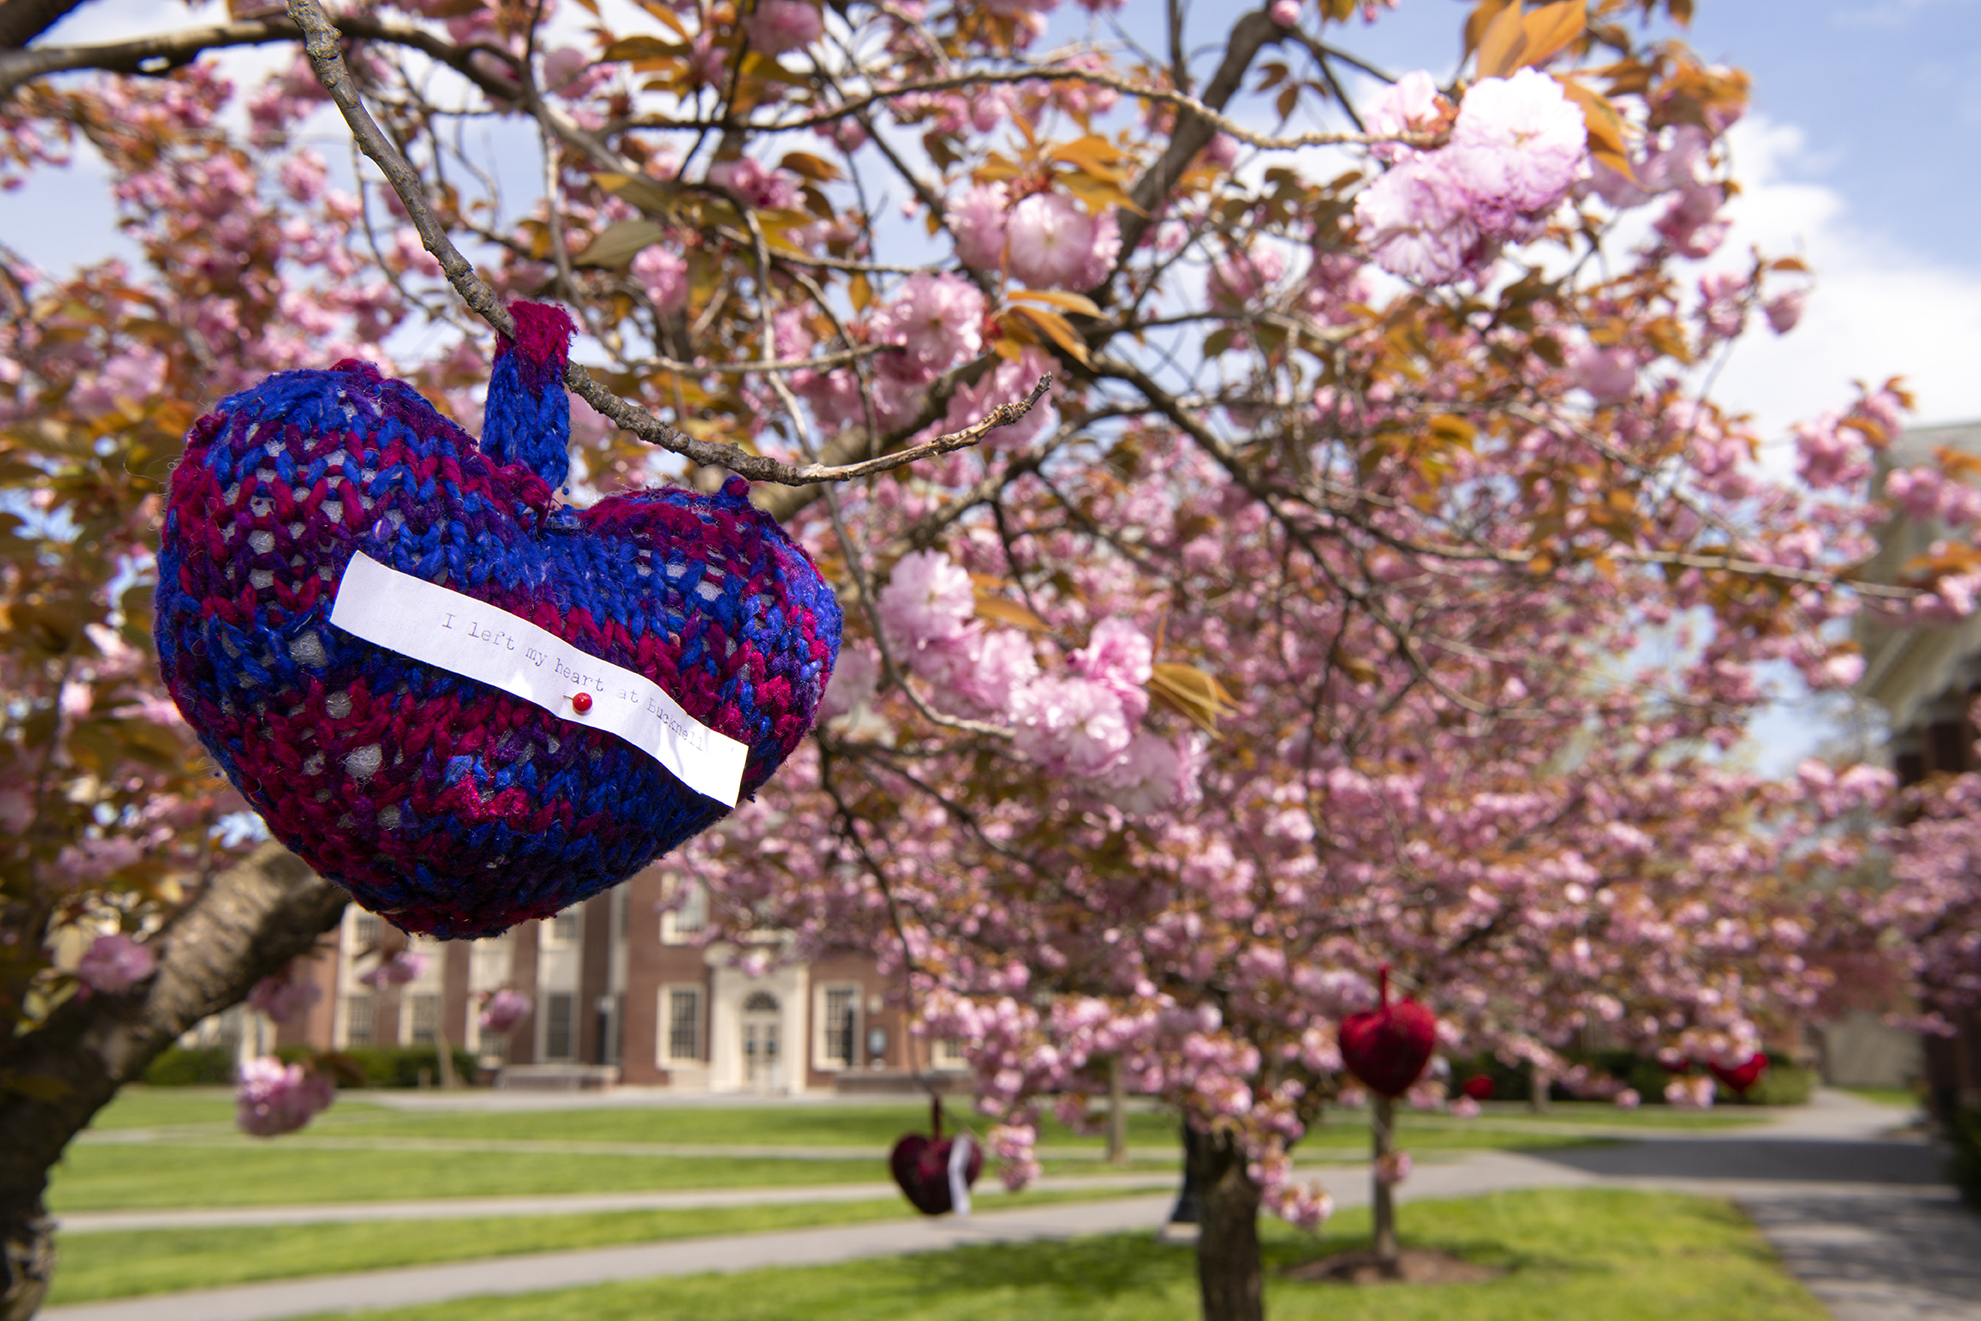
1692 1091
935 321
272 1098
1438 215
1044 239
1082 724
114 963
1675 161
287 995
396 969
503 1009
777 26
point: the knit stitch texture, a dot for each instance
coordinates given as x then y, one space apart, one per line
443 804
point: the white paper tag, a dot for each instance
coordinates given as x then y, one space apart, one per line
959 1174
441 627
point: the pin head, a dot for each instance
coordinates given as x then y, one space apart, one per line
581 703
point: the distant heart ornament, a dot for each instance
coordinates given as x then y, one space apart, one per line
1479 1087
552 681
936 1172
1743 1076
1388 1047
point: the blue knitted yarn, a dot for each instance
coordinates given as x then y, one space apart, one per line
443 804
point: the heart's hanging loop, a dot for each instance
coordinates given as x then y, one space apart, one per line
935 1117
528 418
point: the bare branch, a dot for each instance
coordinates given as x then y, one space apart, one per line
320 44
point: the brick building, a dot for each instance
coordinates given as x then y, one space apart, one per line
623 992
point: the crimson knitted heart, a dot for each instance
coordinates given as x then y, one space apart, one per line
1479 1087
1388 1047
1743 1076
444 803
920 1165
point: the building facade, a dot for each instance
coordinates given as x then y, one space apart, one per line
625 989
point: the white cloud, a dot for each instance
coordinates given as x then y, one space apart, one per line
1877 309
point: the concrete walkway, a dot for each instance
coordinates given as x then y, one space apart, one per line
1862 1218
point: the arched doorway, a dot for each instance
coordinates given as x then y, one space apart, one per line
761 1054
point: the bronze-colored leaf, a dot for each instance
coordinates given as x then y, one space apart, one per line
1550 28
620 243
1193 693
1005 611
1504 42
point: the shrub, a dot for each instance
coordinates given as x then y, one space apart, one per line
392 1066
211 1066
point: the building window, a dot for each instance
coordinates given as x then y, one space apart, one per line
360 1018
838 1045
426 1018
949 1054
364 930
689 917
682 1016
557 1007
564 927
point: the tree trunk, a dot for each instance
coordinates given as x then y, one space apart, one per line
1382 1199
1537 1091
1229 1276
248 922
444 1050
1117 1114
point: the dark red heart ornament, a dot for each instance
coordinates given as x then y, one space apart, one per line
1388 1047
1742 1077
446 802
1479 1087
921 1165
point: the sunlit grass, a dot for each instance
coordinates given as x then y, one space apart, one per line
115 1265
1570 1255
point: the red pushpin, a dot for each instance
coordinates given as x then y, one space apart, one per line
581 703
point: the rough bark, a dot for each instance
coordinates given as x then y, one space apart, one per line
249 921
21 21
1229 1277
1382 1194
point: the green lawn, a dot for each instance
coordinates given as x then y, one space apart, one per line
1894 1096
197 1159
116 1265
1571 1254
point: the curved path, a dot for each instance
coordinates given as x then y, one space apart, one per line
1863 1218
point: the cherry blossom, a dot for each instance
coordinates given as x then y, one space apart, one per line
503 1010
272 1098
114 963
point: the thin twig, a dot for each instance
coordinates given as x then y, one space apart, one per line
320 44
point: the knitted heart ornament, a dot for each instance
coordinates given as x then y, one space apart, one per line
1388 1047
443 803
928 1168
1741 1077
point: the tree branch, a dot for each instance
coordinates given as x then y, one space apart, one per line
320 44
21 21
249 921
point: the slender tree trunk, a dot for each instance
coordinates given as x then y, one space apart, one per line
1117 1113
1382 1200
1537 1091
449 1079
1229 1276
248 922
